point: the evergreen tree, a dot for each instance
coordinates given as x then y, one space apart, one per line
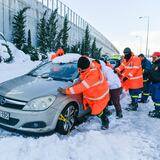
52 30
65 34
93 47
87 40
83 47
42 36
19 21
29 42
58 40
29 49
76 48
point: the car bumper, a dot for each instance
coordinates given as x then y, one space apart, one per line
28 121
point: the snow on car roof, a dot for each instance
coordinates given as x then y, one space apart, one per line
67 58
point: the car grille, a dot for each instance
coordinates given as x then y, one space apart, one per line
10 103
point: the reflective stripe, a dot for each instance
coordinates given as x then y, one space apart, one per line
145 94
145 80
137 67
118 69
99 115
138 77
134 67
157 104
100 81
131 75
98 98
134 96
85 84
122 64
72 90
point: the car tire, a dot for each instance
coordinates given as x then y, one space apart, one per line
67 119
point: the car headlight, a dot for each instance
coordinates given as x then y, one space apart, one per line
39 104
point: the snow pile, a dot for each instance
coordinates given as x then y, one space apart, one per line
19 56
67 58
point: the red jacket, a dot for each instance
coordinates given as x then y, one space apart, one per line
131 69
95 90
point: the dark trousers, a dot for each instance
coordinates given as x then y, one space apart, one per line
145 91
155 94
115 98
134 93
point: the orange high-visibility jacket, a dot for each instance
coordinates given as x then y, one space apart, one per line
59 52
95 90
131 69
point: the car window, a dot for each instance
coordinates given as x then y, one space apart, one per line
59 71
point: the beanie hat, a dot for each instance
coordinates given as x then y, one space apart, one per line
83 63
141 55
127 51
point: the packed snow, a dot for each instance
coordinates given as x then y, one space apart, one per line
134 137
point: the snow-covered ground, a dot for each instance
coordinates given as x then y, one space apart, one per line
134 137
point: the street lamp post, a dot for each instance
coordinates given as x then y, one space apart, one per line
147 54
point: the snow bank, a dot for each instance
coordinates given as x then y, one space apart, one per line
19 56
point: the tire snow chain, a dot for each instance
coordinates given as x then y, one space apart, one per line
62 118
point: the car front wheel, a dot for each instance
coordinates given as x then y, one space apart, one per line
66 119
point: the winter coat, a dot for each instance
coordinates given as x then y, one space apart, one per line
146 66
155 72
132 70
59 52
112 78
95 90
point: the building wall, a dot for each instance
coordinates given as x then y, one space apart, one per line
8 8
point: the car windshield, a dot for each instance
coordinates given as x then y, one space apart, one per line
57 71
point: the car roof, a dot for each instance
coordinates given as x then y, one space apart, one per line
67 58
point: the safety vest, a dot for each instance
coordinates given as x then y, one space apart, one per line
95 90
131 69
59 52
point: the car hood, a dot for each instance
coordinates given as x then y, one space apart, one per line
26 87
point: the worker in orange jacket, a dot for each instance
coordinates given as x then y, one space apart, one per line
59 52
94 87
132 76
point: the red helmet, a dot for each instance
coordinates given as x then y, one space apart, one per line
156 54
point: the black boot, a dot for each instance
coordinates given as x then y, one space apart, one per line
154 113
119 115
132 107
105 120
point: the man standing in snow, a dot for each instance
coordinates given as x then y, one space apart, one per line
132 76
146 66
155 87
94 87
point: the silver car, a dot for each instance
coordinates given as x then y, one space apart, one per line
31 103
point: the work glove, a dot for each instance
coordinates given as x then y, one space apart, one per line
61 90
124 79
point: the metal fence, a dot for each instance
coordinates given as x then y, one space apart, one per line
8 9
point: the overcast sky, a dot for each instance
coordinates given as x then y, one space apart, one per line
118 21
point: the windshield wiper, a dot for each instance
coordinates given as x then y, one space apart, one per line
33 75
